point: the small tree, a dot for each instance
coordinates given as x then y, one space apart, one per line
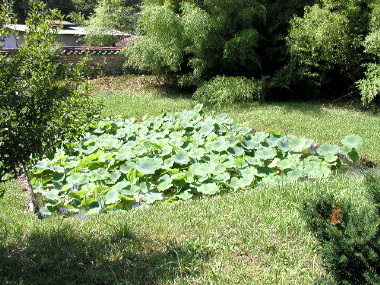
109 16
40 103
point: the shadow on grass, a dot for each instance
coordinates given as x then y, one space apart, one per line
64 257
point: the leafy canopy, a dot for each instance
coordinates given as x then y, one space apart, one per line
109 16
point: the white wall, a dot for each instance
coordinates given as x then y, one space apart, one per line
11 41
66 40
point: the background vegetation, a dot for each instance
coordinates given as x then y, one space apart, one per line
285 48
120 15
85 7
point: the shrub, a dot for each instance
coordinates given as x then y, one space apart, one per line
40 104
224 90
369 86
198 40
349 232
333 43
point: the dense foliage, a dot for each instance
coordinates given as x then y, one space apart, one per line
40 103
109 16
199 40
224 90
349 232
332 43
66 7
330 49
175 156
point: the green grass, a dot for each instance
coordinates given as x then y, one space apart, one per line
132 96
249 237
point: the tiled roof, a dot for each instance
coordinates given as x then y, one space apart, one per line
79 50
91 50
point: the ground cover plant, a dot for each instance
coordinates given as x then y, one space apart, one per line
176 156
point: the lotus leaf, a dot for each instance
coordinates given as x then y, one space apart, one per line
197 153
152 197
235 151
77 178
149 165
164 183
100 174
185 195
208 188
181 157
112 196
352 141
206 130
328 149
266 153
198 108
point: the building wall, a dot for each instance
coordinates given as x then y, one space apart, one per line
66 40
70 40
11 41
109 64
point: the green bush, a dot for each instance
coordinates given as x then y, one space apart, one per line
198 40
369 86
41 103
333 44
223 90
348 229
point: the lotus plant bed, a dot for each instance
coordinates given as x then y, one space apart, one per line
176 156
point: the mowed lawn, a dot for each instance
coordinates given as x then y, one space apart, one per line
255 236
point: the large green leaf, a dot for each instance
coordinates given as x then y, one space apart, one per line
352 141
266 153
152 197
148 165
328 149
164 183
186 195
181 157
77 178
208 188
112 196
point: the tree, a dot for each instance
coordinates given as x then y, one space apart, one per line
66 7
109 16
199 40
369 86
41 104
333 41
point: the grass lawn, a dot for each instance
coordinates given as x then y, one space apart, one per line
250 237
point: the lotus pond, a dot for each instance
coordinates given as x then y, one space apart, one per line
175 156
